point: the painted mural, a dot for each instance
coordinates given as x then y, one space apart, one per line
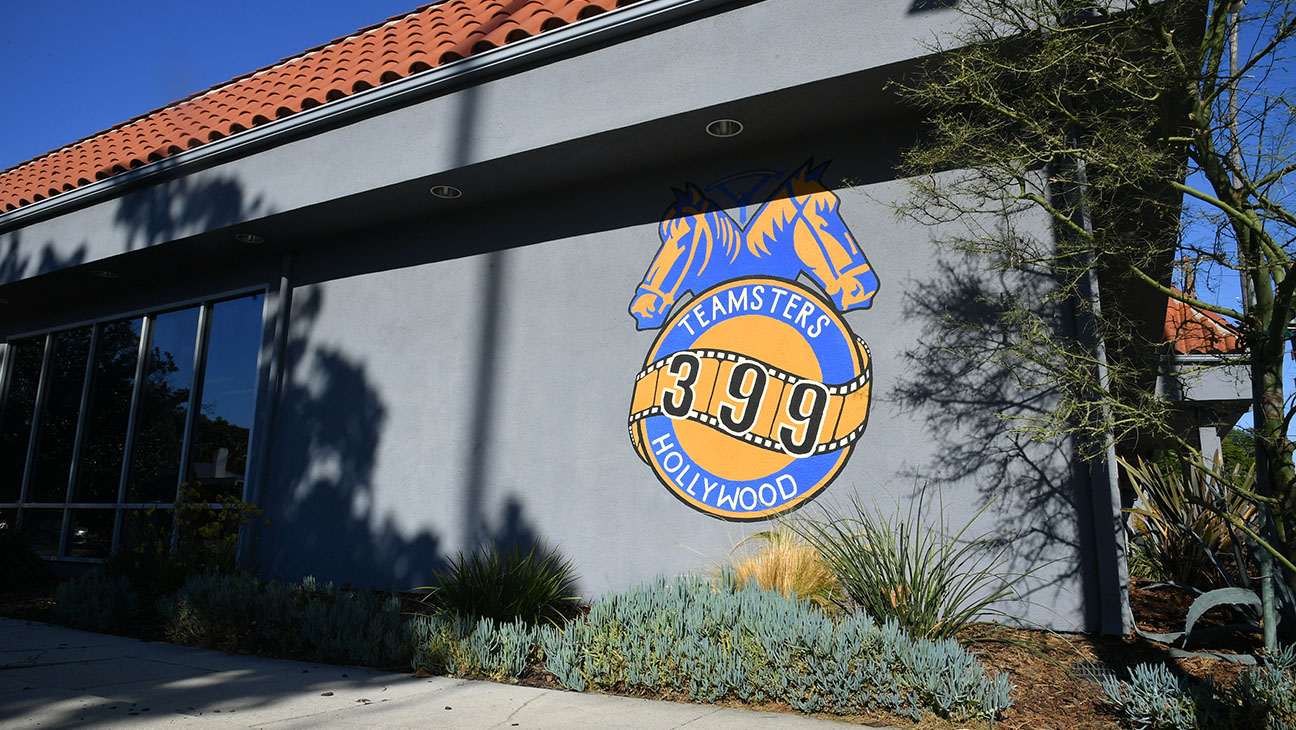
755 391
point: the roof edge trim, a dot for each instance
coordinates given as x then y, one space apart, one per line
573 36
1241 357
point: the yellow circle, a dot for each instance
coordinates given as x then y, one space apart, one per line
772 342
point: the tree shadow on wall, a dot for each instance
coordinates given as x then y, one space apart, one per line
17 263
331 418
183 206
970 401
922 6
322 494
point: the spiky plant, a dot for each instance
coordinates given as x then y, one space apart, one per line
531 583
931 579
1179 526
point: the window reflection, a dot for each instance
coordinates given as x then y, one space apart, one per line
59 414
110 397
219 454
150 412
164 403
15 431
90 533
42 527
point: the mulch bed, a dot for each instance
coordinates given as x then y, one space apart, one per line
1055 675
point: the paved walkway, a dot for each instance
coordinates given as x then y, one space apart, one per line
55 677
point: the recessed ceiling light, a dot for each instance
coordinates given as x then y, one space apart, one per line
447 192
724 128
251 238
104 273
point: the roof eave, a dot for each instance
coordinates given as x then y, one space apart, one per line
535 48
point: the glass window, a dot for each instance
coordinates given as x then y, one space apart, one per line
87 415
109 405
90 533
15 431
43 527
218 458
59 414
147 530
164 406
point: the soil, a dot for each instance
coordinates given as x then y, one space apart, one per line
1055 675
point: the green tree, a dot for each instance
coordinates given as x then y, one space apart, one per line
1238 449
1105 117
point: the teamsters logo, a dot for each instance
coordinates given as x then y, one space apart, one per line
756 390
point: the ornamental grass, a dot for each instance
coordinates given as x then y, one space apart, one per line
786 563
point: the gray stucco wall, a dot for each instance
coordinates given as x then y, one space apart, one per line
459 373
433 406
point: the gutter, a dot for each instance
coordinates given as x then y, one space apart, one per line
1111 552
572 37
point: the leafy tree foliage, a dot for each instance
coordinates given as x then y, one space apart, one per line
1238 449
1103 118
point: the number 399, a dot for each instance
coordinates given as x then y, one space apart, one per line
737 411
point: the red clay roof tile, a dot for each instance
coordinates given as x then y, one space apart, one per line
404 45
1193 331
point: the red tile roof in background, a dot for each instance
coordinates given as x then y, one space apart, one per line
1192 331
431 36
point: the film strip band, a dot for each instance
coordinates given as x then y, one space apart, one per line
773 409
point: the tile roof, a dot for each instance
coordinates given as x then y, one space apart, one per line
430 36
1192 331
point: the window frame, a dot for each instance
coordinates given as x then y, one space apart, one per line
147 316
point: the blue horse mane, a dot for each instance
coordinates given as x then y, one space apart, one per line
693 202
735 251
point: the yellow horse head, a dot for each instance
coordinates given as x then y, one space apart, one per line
690 231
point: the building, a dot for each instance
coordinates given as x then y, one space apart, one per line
619 276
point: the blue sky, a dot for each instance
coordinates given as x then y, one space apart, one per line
73 68
1216 284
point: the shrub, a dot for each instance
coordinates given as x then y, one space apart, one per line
787 564
736 642
350 627
96 602
159 554
1154 698
752 645
1178 534
498 651
213 610
20 567
529 583
462 646
316 622
436 644
564 653
144 556
930 582
207 536
1267 693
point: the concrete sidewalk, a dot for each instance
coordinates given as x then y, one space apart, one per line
55 677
